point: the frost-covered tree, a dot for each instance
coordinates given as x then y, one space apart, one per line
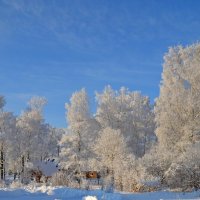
7 130
29 124
70 158
52 141
131 113
83 129
26 138
2 102
34 138
155 163
185 171
177 115
112 153
78 115
37 103
177 109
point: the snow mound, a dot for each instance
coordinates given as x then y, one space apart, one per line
43 189
50 192
90 198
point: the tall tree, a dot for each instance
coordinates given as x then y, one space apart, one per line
83 128
32 134
7 130
112 153
131 113
177 109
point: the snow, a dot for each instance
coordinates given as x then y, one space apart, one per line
90 198
62 193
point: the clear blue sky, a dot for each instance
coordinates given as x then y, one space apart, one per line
53 48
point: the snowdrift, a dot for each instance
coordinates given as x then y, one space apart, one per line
61 193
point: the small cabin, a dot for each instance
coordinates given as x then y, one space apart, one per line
90 174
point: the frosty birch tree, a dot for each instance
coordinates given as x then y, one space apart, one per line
178 106
7 130
177 112
185 171
32 133
82 130
2 102
111 149
80 125
129 112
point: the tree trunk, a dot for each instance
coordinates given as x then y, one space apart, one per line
58 151
28 156
78 159
22 170
2 164
22 164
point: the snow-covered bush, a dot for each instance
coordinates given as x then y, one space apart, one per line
16 184
60 178
2 184
116 161
90 198
185 172
156 163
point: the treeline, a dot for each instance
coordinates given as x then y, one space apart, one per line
109 141
25 138
128 141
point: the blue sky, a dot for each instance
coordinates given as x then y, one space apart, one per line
53 48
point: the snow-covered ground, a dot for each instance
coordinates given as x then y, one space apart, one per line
49 193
